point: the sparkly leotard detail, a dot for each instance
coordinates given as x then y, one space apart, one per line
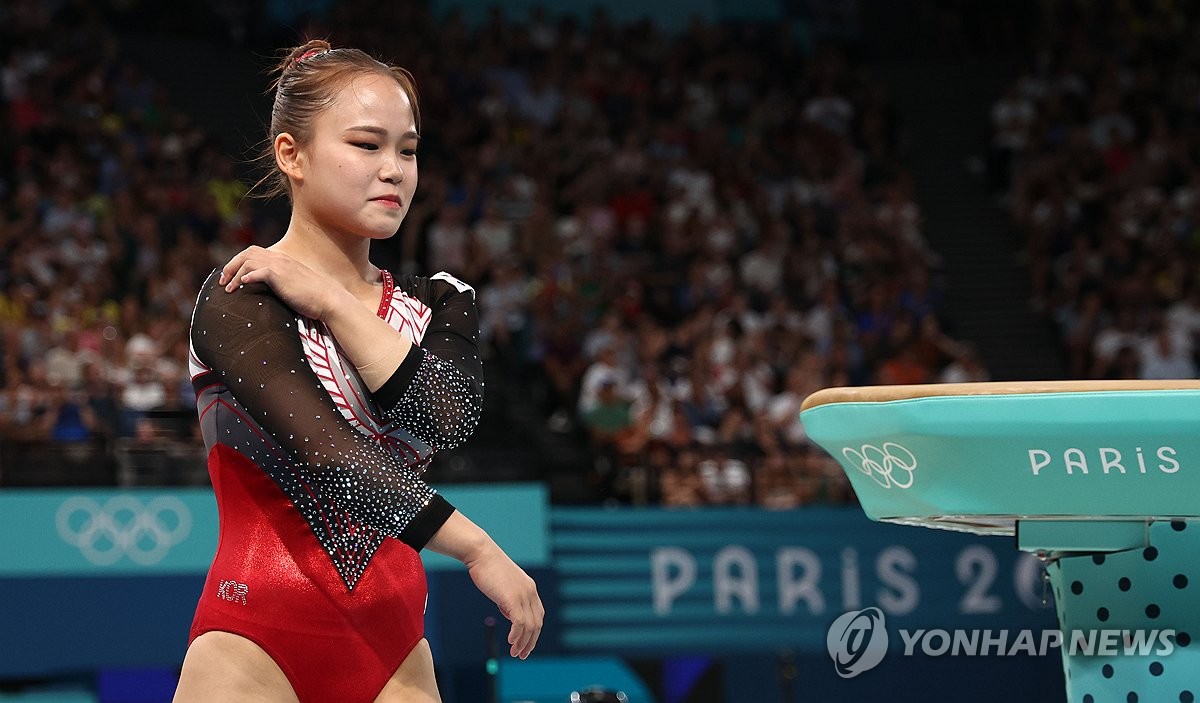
273 386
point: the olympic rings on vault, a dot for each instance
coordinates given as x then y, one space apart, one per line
893 465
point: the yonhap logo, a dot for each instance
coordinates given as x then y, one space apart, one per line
857 641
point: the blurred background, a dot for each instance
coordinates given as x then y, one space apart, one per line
680 220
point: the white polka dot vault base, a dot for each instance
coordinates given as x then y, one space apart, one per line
1134 615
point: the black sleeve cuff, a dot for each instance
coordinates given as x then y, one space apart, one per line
394 388
427 522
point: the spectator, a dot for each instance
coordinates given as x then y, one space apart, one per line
783 409
101 399
65 360
68 417
681 484
610 429
22 401
965 368
603 371
776 488
726 481
504 302
448 241
1166 354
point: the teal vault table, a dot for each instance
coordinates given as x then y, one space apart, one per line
1100 479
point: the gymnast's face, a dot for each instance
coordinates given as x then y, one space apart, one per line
357 174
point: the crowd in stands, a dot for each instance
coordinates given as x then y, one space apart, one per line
111 203
677 238
1095 150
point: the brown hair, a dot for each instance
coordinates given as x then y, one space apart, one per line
309 76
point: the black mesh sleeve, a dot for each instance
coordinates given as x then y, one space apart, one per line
437 392
249 339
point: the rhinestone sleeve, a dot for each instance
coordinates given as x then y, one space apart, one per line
437 393
248 338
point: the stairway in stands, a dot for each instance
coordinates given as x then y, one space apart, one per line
944 106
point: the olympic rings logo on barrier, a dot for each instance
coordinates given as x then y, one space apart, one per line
886 466
123 527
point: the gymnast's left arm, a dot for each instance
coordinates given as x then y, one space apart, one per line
434 391
437 390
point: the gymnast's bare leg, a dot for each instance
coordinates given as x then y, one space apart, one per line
414 681
221 666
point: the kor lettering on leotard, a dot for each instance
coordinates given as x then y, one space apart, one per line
233 591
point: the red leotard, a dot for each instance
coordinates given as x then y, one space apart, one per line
313 474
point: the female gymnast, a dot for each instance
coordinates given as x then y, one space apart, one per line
324 386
